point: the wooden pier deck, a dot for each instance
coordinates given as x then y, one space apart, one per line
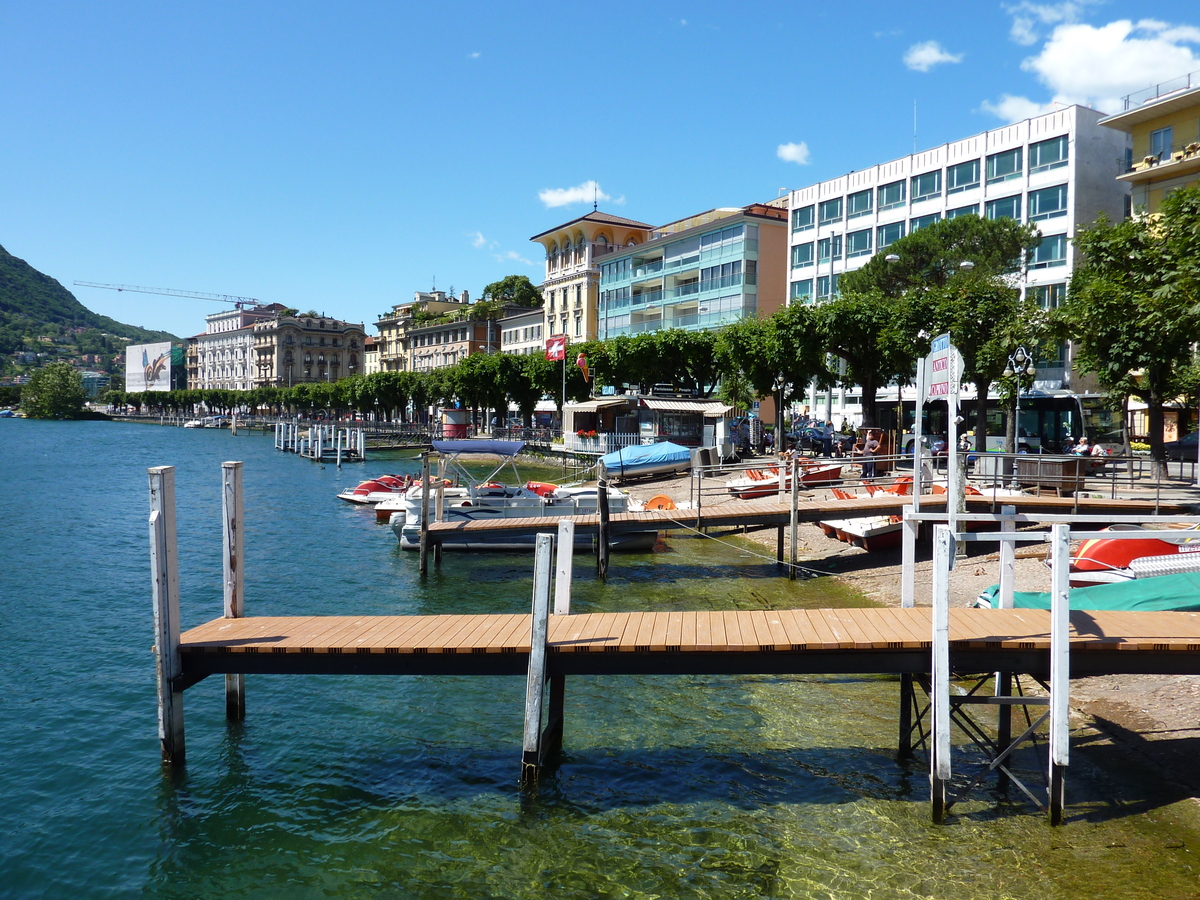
767 512
822 641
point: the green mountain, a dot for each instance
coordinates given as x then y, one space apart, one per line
34 306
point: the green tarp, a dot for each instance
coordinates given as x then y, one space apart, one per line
1179 592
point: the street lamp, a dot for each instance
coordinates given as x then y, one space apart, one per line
783 389
1020 362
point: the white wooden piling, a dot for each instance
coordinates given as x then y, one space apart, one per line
362 444
233 544
1060 672
564 562
340 436
939 763
535 683
164 567
423 563
794 521
1008 558
909 527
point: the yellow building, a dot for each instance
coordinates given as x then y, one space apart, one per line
1164 122
571 290
394 347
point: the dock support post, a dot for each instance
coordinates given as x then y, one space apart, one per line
164 564
337 440
908 558
1008 558
232 545
362 444
1060 624
535 683
904 746
602 529
939 762
423 566
794 521
552 735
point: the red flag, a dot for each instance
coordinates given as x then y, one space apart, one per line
556 347
581 361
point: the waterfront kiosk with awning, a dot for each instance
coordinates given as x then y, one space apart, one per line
603 424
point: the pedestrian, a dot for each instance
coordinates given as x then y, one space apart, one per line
870 448
827 438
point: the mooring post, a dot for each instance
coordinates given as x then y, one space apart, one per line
794 522
362 444
602 536
423 565
904 746
939 762
908 556
1060 667
337 440
535 683
552 735
232 544
1008 557
164 567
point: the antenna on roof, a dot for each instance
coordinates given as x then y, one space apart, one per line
595 195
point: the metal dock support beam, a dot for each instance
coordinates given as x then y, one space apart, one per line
602 536
164 567
939 760
232 545
535 683
1060 624
423 566
564 559
794 520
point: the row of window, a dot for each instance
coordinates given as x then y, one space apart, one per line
440 337
999 167
519 335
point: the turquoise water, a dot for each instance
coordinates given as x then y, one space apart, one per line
406 787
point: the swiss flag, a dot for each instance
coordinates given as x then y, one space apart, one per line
556 347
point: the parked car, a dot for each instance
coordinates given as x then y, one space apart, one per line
1182 449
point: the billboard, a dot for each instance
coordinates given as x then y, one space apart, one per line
148 367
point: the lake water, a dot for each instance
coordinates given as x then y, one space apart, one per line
388 787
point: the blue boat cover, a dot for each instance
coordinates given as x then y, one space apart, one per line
630 460
499 448
1179 592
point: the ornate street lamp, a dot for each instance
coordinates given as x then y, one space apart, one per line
1020 362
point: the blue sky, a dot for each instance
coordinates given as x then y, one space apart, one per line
341 156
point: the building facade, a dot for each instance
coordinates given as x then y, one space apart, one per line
570 291
292 350
1056 171
223 356
393 327
1163 123
442 345
521 334
370 356
699 273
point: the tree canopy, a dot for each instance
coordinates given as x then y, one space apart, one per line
54 392
517 289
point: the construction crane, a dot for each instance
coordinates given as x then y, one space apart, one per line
239 302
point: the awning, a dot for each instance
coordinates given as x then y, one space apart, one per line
600 403
714 409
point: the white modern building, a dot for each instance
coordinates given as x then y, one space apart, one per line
223 356
521 334
1057 171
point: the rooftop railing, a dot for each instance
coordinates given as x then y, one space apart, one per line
1159 91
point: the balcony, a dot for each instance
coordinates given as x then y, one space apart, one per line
1183 158
646 269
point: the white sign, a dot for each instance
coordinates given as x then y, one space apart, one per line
939 368
147 367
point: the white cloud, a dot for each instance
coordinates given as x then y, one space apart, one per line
1097 66
475 55
923 57
796 153
512 256
587 192
1028 16
478 240
1014 109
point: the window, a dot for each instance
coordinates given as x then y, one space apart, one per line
1006 207
1049 296
825 245
1003 166
1160 143
858 243
972 210
923 222
962 177
926 186
887 234
802 218
858 204
891 195
831 210
802 255
802 290
1048 154
1048 203
826 283
1052 251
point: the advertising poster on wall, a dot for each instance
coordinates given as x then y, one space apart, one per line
148 367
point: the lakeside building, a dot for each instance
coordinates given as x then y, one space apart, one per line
698 273
292 350
1057 171
570 290
1163 123
393 327
521 333
370 356
223 356
442 344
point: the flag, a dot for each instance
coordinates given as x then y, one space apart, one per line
581 361
556 347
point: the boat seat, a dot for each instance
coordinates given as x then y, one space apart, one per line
660 501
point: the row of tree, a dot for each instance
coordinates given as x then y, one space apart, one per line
1133 313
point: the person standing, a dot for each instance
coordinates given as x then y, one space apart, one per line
870 450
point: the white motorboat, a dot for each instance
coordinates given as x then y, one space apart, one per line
490 500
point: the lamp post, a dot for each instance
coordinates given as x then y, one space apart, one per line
1020 362
783 390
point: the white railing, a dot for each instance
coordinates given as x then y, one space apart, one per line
601 443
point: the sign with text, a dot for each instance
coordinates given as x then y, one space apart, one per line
939 368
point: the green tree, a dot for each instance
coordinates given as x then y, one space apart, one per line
54 392
516 289
1133 308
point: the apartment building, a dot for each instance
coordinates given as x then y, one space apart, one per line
292 350
1163 123
570 290
521 334
1056 171
393 327
698 273
223 356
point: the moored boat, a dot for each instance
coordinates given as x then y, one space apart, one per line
376 490
1114 560
765 482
